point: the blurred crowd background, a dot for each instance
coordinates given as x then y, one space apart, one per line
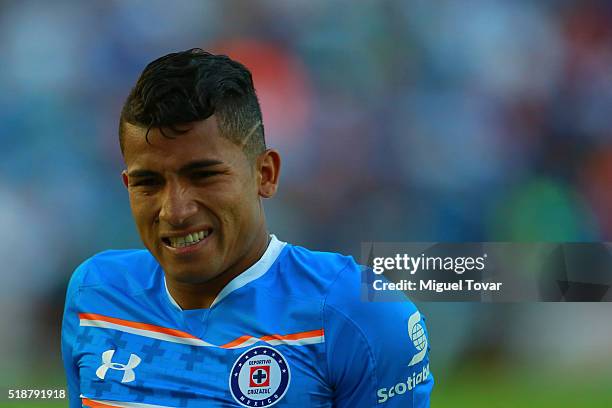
397 121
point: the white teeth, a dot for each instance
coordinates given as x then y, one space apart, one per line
187 240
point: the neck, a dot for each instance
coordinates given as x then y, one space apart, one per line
202 295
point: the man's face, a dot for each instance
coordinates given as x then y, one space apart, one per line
195 199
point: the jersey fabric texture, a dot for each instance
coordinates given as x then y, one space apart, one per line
290 331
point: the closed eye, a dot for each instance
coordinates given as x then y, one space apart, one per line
204 174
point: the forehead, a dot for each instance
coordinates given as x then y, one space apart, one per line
200 140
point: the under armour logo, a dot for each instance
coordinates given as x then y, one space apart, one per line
107 363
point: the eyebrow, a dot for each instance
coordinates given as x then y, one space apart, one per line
199 164
194 165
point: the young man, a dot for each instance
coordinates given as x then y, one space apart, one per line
216 312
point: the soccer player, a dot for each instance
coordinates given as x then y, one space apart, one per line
216 312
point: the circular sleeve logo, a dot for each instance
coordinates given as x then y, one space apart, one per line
260 377
417 335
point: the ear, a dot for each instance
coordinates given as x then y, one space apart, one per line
268 166
124 177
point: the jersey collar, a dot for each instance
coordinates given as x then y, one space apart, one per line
257 270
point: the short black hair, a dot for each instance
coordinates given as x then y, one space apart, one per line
193 85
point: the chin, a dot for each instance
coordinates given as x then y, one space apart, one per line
189 276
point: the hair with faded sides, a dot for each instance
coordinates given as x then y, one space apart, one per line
193 85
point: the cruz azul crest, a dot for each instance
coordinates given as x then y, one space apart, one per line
260 377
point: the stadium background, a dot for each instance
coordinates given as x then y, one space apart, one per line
397 120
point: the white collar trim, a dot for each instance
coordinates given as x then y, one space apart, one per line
257 270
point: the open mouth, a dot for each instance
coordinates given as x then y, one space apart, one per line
187 240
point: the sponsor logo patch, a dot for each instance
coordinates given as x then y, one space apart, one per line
402 387
417 335
260 377
128 369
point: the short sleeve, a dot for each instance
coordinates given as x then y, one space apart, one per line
377 352
70 323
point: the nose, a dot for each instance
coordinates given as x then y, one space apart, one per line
177 205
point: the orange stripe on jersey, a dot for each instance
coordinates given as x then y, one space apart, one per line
293 336
236 342
136 325
94 404
89 403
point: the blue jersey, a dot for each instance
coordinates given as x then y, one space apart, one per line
290 331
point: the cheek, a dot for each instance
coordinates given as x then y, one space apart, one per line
238 208
143 209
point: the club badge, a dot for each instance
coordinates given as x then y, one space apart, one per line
260 377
